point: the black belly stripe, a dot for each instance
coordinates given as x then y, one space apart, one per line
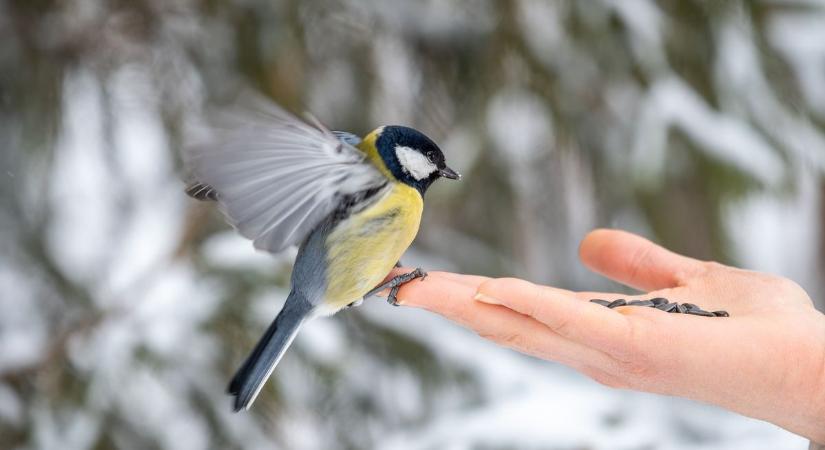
379 222
350 203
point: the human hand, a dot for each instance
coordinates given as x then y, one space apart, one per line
767 360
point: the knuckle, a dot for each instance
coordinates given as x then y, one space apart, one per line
713 266
790 287
508 339
708 269
536 306
634 358
638 259
639 371
562 325
515 340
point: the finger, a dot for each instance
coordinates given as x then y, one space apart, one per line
459 277
635 261
455 301
468 280
562 311
437 290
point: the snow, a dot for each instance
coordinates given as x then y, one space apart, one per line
81 185
520 126
779 223
673 104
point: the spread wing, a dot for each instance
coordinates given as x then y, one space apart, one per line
276 177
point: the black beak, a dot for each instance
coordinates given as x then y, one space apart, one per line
446 172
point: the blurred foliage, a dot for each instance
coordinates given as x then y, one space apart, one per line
563 116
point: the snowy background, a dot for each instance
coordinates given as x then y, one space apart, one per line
125 307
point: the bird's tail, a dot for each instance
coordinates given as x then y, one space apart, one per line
251 377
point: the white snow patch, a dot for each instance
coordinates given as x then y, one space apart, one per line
780 234
230 250
520 126
81 186
800 36
673 104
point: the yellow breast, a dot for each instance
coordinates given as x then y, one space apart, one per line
363 248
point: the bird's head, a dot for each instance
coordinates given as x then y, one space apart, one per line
411 157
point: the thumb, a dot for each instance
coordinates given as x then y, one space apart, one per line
636 262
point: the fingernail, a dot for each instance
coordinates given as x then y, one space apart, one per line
484 298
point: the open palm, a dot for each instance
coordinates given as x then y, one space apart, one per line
767 360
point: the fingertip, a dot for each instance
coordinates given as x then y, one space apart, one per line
484 298
598 232
412 293
396 271
433 292
500 287
591 246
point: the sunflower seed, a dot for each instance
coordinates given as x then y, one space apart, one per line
699 312
659 301
666 307
600 301
617 302
721 314
642 303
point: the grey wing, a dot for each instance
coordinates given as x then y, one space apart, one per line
277 177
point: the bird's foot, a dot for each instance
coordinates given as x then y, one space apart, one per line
395 283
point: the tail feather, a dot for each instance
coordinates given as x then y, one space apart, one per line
252 375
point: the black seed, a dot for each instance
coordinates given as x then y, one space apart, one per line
699 312
617 302
666 307
659 301
680 309
690 306
721 314
600 301
640 303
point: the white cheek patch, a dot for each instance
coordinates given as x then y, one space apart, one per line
414 162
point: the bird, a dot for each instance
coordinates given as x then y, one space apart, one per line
352 205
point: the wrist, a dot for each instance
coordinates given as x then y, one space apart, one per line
798 405
818 416
814 423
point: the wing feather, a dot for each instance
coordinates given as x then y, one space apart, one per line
277 177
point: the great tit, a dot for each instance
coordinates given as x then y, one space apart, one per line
352 205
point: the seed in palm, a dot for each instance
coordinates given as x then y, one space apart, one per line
662 304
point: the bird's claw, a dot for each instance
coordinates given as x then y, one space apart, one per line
395 283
